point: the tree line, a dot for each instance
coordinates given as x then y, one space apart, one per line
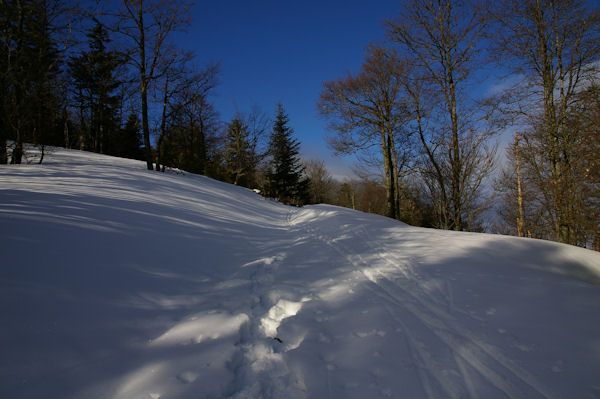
419 114
125 84
417 106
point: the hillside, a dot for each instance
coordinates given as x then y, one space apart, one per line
118 282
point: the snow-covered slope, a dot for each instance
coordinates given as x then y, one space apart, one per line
117 282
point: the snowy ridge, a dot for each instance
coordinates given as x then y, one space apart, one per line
119 282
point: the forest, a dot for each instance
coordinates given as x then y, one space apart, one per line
112 80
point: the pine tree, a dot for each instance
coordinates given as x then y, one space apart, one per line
130 139
240 154
284 178
94 78
29 68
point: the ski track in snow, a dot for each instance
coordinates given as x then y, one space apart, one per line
309 302
432 314
420 312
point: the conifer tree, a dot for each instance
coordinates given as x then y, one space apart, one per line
240 154
130 139
95 84
29 68
284 178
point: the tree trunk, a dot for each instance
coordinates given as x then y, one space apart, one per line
443 204
163 124
3 157
389 178
145 124
392 178
455 159
66 128
396 178
144 88
42 153
17 153
521 217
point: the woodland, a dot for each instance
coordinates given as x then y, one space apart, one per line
425 139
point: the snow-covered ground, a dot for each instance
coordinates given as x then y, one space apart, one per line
117 282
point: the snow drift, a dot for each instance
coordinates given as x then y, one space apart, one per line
117 282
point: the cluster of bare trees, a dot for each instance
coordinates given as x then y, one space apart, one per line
554 46
167 79
365 192
147 24
419 101
412 96
367 110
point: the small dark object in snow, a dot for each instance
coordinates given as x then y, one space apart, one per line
278 339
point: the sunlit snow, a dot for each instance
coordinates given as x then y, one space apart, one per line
118 282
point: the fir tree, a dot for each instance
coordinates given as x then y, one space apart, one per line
95 83
130 139
284 178
240 154
29 68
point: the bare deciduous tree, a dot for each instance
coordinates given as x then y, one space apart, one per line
441 39
367 110
554 46
148 23
321 185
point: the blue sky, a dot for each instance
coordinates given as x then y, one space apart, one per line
282 50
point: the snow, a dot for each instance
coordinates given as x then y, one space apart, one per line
117 282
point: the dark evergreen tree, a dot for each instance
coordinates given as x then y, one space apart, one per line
29 68
47 67
190 127
189 122
129 144
95 84
240 154
285 176
193 123
6 38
